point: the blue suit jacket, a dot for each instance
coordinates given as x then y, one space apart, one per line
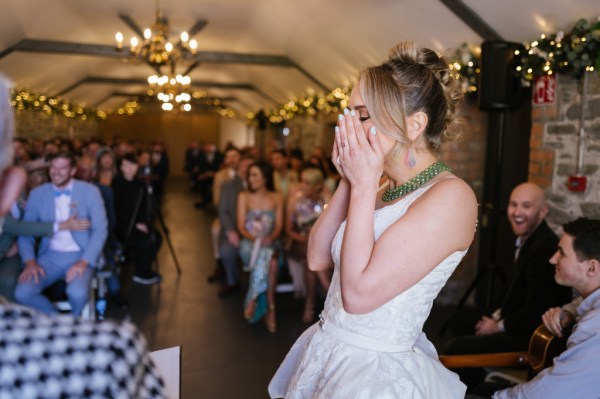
86 202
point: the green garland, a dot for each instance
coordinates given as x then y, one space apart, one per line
25 100
572 53
334 101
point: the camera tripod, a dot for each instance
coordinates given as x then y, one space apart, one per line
152 209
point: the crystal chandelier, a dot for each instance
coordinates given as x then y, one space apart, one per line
155 47
172 91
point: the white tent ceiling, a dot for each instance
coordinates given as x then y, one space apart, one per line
328 39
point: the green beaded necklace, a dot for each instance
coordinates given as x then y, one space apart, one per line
433 170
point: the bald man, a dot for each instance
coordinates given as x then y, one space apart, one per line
531 287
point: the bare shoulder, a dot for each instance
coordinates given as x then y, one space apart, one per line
242 197
449 205
451 191
276 197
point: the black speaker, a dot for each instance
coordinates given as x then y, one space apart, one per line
499 82
262 120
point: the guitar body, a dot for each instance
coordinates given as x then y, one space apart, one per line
543 348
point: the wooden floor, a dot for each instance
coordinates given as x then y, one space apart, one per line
222 355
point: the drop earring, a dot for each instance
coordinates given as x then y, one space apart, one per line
409 158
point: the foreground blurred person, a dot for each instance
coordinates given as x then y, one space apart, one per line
393 249
79 358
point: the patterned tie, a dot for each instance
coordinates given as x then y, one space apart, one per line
58 193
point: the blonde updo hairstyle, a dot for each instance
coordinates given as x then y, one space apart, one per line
313 176
413 79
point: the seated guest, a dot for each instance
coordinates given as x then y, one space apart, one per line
209 163
575 372
225 174
20 153
229 242
133 206
283 177
160 168
303 209
11 228
192 161
531 288
259 221
86 171
106 169
68 255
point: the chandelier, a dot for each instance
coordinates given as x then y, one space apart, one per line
155 47
172 91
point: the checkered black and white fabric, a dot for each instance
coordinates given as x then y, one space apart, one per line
67 357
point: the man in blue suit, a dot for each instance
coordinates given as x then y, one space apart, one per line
69 255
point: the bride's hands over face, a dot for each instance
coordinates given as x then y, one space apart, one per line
357 155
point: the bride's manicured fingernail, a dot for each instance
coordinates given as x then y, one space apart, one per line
337 130
352 113
340 117
373 130
346 111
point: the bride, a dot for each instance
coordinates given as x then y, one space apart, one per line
369 341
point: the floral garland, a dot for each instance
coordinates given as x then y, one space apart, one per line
23 99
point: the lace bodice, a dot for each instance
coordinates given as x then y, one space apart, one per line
399 321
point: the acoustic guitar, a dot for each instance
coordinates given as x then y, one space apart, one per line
543 348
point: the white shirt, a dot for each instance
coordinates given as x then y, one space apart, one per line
63 241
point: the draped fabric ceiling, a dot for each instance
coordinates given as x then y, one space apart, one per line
301 46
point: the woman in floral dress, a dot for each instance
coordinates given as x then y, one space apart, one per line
259 221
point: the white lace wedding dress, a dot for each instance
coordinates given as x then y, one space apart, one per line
379 355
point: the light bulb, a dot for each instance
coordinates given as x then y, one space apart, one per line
147 33
185 37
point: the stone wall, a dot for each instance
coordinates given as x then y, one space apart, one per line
554 149
40 125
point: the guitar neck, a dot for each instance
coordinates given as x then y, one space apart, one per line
508 359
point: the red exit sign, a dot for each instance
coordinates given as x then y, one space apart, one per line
544 90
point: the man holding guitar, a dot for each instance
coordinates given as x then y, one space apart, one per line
531 288
575 372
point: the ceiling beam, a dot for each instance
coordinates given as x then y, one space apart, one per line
102 50
138 81
145 97
198 26
256 59
132 24
56 47
472 20
221 57
191 68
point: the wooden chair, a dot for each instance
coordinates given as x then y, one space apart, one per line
543 348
